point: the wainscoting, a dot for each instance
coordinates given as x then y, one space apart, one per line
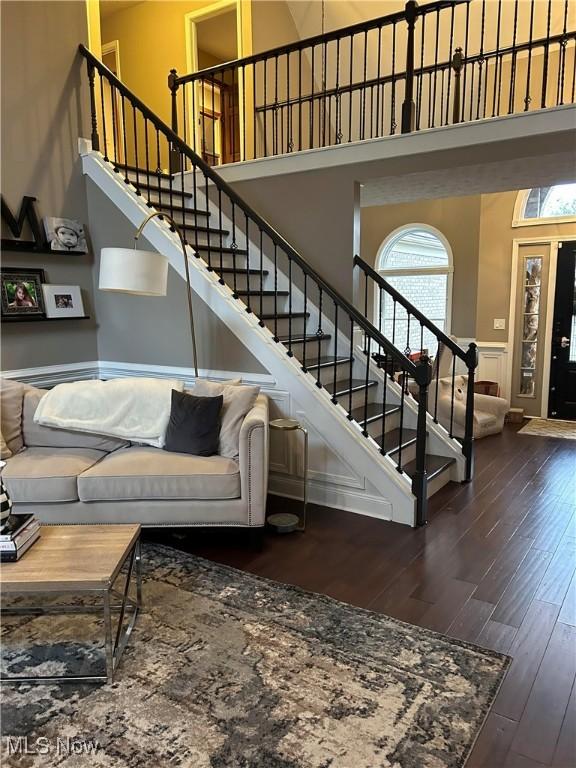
331 480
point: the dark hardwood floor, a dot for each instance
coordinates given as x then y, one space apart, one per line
496 566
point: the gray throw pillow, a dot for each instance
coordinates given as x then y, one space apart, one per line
238 400
194 425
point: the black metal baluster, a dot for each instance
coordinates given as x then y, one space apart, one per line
244 124
299 99
497 62
221 255
436 45
304 366
350 369
196 206
234 247
363 91
561 58
136 163
247 236
366 383
365 310
193 87
147 154
312 100
265 108
451 48
290 285
126 179
393 123
158 168
546 56
350 97
184 126
275 122
103 110
393 321
380 308
514 56
383 355
261 277
421 75
481 58
207 209
378 67
402 401
254 113
113 98
437 382
451 431
319 334
527 98
335 367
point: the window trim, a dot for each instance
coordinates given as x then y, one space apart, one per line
448 270
518 219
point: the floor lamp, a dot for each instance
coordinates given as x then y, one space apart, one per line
144 273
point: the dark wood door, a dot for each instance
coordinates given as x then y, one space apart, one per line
562 400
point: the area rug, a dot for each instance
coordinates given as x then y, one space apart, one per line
550 428
228 669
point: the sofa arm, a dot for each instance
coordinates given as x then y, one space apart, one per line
497 406
254 461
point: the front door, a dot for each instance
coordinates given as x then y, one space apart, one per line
562 400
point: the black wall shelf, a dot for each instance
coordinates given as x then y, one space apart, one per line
23 246
36 319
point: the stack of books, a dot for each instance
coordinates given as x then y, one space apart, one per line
20 532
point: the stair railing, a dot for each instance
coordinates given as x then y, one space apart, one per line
427 66
134 140
406 326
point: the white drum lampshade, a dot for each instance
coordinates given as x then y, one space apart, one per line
128 270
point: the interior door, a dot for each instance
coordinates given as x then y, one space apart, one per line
562 400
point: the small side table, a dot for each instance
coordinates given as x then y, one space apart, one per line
286 522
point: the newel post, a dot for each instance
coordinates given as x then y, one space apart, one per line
423 378
457 64
409 106
468 442
173 85
94 120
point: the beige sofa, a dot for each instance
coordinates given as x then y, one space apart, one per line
74 477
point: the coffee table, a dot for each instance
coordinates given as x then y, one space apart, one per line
79 561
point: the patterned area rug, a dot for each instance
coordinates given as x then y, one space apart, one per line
227 669
550 428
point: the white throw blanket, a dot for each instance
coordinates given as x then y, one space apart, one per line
130 409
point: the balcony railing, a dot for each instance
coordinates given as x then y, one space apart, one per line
425 67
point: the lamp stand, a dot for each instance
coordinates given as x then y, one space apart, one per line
187 270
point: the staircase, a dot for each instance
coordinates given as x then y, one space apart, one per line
340 369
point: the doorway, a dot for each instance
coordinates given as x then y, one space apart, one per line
215 36
562 398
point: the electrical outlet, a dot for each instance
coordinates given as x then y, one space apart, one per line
500 324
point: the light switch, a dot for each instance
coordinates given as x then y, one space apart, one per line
499 324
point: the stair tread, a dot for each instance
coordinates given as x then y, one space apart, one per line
373 412
299 339
282 315
231 270
343 387
139 184
167 208
392 439
256 293
224 249
326 361
143 171
434 465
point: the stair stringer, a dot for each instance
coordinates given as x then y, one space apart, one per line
343 435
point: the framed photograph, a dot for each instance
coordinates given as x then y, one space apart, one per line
22 292
63 300
65 235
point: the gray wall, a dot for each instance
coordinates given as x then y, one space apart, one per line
155 330
43 114
315 213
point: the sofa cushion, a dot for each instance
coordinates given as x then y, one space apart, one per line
38 475
5 452
238 400
194 424
36 435
11 396
143 472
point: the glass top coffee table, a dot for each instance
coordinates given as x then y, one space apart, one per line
79 561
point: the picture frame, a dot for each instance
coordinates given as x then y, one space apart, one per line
65 235
22 294
63 300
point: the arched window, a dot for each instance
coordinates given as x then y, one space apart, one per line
544 205
417 261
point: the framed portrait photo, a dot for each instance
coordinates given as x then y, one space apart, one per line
65 235
63 300
22 293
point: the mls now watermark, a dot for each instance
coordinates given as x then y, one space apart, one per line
22 745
